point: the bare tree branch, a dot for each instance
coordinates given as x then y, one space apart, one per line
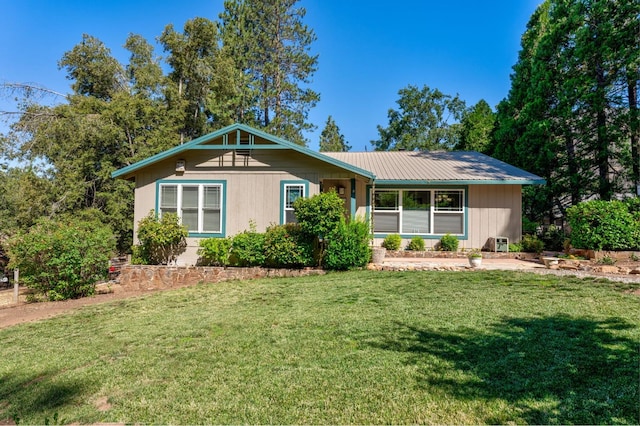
28 90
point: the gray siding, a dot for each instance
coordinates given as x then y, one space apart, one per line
493 211
253 185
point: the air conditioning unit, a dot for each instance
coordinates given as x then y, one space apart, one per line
499 244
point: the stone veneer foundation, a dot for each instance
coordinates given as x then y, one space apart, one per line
143 277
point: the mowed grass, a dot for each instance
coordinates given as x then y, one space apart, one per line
358 347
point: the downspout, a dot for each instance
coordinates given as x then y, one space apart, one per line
371 204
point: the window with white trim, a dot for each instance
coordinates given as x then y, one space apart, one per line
198 205
419 211
292 191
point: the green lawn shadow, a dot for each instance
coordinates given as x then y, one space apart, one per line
553 370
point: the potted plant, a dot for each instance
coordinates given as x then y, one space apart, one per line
475 258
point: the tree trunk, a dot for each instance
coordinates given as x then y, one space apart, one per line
572 165
602 153
632 90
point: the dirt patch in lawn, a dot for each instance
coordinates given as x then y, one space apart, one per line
13 314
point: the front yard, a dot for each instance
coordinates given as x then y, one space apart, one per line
357 347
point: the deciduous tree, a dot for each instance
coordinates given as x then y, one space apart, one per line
427 119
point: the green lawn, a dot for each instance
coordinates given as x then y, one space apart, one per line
357 347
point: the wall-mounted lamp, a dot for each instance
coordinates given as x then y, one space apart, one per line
181 165
341 190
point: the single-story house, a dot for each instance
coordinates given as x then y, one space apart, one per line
221 182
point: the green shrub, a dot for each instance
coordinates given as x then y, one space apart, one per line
62 260
215 251
449 242
161 239
553 238
604 225
286 246
247 248
515 247
319 215
532 244
349 246
138 256
416 244
392 242
529 226
607 260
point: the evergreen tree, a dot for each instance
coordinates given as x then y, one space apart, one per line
269 46
192 57
331 140
567 117
476 128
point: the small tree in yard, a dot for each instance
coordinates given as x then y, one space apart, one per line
161 240
319 216
62 260
349 245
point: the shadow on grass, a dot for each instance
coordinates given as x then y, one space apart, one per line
550 370
37 396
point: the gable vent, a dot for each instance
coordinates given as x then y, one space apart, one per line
245 139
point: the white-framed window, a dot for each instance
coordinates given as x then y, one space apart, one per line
423 211
198 205
292 191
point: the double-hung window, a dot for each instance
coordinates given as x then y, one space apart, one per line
291 191
419 211
199 205
448 216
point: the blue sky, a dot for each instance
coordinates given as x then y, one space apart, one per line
368 50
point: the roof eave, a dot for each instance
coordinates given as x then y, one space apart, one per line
128 171
462 182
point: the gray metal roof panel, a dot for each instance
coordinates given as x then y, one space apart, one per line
434 166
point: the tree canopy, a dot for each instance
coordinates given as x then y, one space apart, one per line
427 119
571 113
252 66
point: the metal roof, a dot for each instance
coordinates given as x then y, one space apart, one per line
383 167
451 167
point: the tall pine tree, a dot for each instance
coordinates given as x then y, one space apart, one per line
569 116
331 140
268 45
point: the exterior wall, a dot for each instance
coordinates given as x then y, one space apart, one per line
253 186
492 211
253 193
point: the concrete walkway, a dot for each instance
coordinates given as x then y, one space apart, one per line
460 264
487 264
